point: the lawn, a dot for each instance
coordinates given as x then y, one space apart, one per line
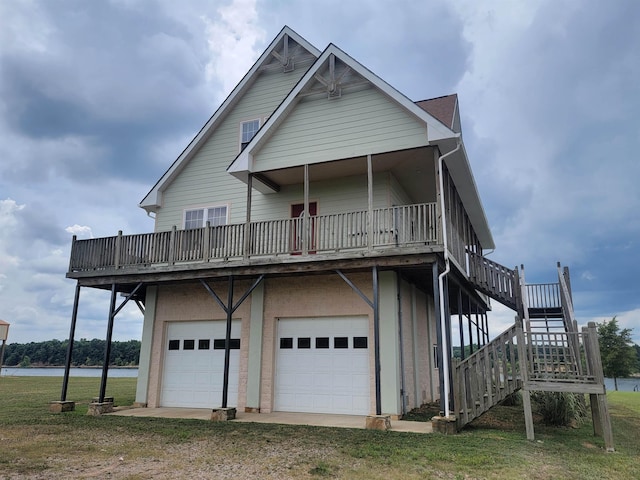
37 444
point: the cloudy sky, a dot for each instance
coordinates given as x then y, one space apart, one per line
98 98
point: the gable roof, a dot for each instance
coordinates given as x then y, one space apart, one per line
436 129
443 108
153 199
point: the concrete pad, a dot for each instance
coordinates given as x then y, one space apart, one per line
284 418
61 407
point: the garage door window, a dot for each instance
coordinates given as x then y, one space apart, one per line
204 344
188 344
360 342
322 342
174 344
341 342
304 342
234 344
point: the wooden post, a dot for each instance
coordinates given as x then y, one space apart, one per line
206 242
601 399
116 260
524 373
172 246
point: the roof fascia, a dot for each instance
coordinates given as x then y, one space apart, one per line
436 129
153 199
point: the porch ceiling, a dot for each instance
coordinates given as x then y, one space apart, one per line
413 169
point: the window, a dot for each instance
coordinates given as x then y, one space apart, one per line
204 344
174 344
286 342
322 342
341 342
247 132
188 344
304 342
234 344
360 342
198 217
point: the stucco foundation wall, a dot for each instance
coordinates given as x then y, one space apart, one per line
176 303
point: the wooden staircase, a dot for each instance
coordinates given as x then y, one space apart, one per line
543 350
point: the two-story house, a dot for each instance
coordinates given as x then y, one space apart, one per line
313 245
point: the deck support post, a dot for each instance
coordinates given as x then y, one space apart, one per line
107 348
305 215
523 361
229 309
72 333
599 408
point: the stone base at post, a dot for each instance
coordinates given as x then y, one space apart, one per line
378 422
96 408
223 414
106 399
445 425
60 407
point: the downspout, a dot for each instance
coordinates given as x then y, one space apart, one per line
443 323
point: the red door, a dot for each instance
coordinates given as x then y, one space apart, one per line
297 211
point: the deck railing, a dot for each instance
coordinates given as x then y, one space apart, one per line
494 279
403 226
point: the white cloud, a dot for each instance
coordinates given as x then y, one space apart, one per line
80 231
232 40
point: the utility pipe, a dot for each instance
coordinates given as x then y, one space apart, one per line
443 323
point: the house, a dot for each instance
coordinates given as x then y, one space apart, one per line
313 245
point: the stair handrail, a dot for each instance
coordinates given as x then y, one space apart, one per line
568 315
485 377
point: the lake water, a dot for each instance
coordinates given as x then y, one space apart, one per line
74 372
624 384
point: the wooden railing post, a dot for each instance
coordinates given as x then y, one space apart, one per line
172 246
206 242
117 251
523 361
73 253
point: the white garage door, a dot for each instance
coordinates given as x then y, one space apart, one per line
323 365
194 364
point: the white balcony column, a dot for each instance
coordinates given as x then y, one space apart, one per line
305 214
369 203
247 225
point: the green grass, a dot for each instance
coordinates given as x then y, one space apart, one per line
36 443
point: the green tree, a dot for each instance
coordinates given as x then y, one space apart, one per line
619 358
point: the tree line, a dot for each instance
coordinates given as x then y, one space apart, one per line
85 353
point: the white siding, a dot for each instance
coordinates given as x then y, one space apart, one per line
204 181
358 123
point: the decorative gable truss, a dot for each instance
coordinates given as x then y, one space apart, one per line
333 76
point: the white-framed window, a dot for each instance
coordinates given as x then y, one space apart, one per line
198 217
248 130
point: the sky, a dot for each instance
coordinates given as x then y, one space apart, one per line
97 99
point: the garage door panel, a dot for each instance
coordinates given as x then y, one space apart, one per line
318 368
194 377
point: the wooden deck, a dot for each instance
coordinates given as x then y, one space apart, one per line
399 230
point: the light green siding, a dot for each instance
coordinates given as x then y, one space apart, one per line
204 180
397 194
332 196
359 123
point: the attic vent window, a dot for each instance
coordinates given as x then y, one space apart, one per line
248 131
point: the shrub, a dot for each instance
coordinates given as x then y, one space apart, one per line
560 408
